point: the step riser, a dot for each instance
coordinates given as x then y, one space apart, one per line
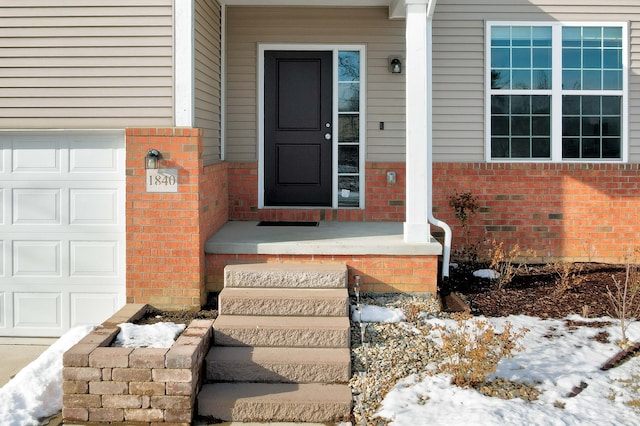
279 412
279 373
330 307
278 365
268 276
294 338
261 403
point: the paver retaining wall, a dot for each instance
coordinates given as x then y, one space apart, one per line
104 384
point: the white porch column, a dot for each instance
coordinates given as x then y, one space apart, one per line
416 226
184 56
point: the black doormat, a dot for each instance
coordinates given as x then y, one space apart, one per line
270 223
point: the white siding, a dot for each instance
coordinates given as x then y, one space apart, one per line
458 64
79 64
385 91
208 76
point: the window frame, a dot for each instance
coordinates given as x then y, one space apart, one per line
557 91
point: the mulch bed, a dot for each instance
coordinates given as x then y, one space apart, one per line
538 291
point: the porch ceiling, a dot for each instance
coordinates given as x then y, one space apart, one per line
396 7
329 238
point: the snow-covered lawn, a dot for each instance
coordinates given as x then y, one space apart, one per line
558 356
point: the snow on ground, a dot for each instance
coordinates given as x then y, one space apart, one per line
159 335
557 358
486 273
36 391
372 313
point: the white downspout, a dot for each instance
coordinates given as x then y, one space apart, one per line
446 251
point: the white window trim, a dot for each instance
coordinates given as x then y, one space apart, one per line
556 92
335 48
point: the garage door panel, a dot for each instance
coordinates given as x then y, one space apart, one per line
94 258
3 310
93 206
62 230
2 259
92 160
36 156
92 308
37 310
36 206
37 258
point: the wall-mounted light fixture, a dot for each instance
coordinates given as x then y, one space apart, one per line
395 65
151 160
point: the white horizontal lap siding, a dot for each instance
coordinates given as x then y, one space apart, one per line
246 27
207 57
79 64
458 64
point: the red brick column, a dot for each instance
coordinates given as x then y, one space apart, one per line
166 232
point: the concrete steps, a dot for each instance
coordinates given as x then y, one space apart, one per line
282 346
284 365
265 402
282 302
286 331
269 275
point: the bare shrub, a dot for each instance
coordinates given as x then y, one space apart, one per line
624 298
464 206
569 275
473 348
505 262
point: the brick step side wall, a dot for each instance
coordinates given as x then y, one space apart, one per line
378 273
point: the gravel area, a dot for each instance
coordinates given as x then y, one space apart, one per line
384 353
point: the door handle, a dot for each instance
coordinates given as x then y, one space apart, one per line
327 136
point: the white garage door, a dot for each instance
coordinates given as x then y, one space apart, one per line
62 230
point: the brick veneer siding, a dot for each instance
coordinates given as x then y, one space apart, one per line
581 212
578 212
166 232
384 201
378 273
104 384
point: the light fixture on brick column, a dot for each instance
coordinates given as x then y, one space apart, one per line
152 158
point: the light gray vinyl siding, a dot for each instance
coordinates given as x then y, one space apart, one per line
246 27
86 64
458 64
207 75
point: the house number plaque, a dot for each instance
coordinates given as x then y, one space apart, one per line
162 180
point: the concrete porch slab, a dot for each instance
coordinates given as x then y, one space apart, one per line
329 238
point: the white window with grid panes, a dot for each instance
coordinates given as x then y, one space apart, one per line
556 92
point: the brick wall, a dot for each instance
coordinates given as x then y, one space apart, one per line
582 212
166 232
378 274
384 201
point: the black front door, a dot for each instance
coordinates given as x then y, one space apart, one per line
297 128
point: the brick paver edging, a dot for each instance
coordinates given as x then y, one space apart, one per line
103 384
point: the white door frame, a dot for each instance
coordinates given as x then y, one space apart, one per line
335 48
